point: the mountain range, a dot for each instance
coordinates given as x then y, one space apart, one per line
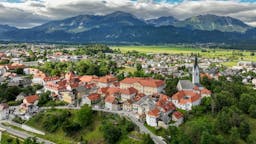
125 28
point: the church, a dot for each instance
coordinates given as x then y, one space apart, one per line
190 93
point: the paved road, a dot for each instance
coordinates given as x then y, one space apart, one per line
23 134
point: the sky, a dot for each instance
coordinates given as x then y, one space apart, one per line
30 13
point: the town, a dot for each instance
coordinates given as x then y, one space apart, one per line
131 84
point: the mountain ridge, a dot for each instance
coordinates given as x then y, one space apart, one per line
121 27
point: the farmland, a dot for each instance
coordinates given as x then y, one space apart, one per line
233 56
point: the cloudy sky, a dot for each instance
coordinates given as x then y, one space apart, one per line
29 13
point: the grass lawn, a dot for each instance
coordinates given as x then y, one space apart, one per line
9 139
211 53
128 69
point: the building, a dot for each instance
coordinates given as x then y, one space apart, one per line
147 86
195 73
186 99
93 98
68 97
4 111
111 103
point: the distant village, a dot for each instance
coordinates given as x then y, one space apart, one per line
144 98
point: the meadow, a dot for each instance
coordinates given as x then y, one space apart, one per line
233 56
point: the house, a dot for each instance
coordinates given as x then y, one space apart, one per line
127 105
29 105
31 100
92 99
177 117
68 97
4 111
128 94
111 103
152 117
147 86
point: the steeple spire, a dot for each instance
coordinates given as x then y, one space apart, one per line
196 73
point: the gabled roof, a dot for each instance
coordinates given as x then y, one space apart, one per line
184 97
129 91
32 98
177 114
87 78
106 79
94 96
154 112
110 99
206 91
149 82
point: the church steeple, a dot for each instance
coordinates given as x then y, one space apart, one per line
195 72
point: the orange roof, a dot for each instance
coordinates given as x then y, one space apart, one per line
144 81
14 66
139 96
129 91
106 79
32 98
154 112
87 78
94 97
177 115
205 91
110 99
184 97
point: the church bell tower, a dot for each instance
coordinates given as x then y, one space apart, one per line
195 73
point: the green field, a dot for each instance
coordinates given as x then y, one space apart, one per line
232 55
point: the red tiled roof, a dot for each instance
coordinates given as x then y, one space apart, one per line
87 78
177 115
149 82
154 112
106 79
188 96
32 98
205 91
129 91
94 97
110 99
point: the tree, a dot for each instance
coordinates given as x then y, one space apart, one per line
246 101
147 139
30 141
84 116
70 127
138 67
44 98
244 130
111 134
234 135
252 111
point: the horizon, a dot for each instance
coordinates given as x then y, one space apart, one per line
37 12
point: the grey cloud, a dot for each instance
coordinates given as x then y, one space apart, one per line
32 13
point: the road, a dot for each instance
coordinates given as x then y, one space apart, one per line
22 134
143 129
